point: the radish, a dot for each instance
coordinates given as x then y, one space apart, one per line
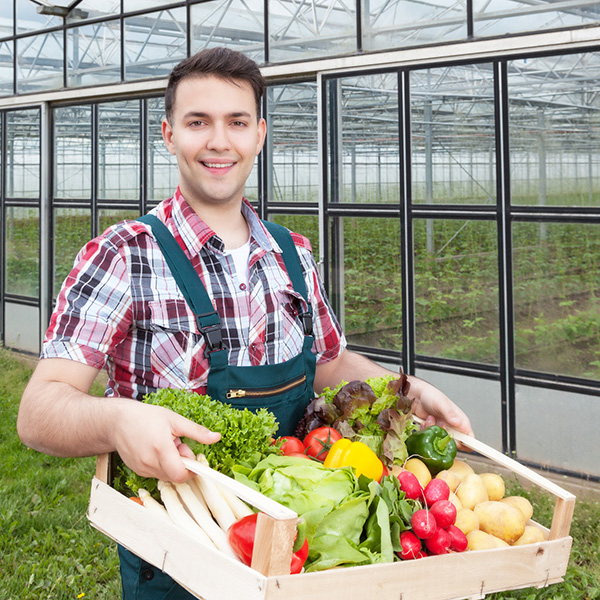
411 545
436 489
444 512
439 542
423 523
410 485
458 540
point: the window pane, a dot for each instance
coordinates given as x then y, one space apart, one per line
306 225
72 229
6 20
92 9
73 152
119 150
555 290
110 216
22 251
94 54
396 23
555 130
40 62
154 43
294 157
298 31
456 289
237 24
6 68
23 154
453 139
162 166
366 168
499 17
29 19
367 281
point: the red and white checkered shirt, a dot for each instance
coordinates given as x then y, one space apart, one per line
120 307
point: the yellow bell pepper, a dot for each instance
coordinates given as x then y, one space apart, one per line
345 453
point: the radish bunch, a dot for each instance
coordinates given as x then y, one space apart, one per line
432 527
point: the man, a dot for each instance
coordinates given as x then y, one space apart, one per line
120 307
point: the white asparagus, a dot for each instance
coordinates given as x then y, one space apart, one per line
219 509
202 516
238 507
179 515
152 504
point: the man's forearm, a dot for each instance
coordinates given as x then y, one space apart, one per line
58 419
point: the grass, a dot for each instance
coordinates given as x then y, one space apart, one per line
49 551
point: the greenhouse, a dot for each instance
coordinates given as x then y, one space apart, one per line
442 156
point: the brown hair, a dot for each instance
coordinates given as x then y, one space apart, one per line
219 62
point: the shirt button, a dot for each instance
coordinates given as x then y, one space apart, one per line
242 286
252 346
147 574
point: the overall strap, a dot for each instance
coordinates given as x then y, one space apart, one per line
293 267
189 283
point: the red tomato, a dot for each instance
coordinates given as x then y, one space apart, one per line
290 444
318 442
298 455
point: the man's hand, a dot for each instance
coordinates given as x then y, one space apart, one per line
435 408
148 439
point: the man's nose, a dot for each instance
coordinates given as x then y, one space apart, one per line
218 140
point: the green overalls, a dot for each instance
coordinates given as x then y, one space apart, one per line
285 388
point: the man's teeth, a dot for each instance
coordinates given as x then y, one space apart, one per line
218 165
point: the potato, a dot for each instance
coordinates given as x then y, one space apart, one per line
419 469
450 477
466 520
494 484
500 519
461 468
531 535
479 540
454 499
472 491
522 504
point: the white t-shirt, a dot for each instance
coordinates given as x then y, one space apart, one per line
240 259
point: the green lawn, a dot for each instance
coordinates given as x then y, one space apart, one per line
49 551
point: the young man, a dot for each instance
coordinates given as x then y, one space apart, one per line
121 309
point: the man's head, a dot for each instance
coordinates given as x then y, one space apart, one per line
222 63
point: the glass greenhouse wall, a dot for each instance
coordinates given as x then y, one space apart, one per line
442 158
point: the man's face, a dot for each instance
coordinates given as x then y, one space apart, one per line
215 135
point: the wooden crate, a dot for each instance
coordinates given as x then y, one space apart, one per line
211 575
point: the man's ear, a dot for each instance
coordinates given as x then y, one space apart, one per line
167 133
262 133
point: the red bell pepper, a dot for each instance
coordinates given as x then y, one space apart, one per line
241 537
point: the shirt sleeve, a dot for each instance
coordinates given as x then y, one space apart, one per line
330 341
93 308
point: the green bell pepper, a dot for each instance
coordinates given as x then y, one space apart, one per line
434 446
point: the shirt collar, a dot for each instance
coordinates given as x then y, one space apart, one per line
196 234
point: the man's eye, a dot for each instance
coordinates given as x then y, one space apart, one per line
239 123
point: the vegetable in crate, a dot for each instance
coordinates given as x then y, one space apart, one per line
245 435
357 455
241 537
376 412
434 446
350 521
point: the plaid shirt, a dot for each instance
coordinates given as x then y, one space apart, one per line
120 307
